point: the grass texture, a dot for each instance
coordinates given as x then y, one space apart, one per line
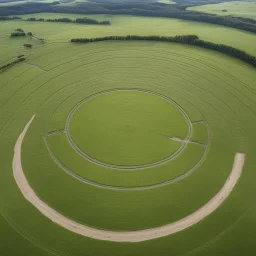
57 75
235 8
127 128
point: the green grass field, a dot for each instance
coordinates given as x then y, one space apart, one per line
200 133
122 178
166 2
127 128
216 92
123 25
234 8
63 2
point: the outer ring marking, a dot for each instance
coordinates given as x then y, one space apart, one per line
122 236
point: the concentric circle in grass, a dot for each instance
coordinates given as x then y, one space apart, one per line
127 128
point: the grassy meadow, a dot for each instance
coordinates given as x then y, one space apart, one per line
10 3
127 128
212 89
90 172
166 2
235 8
123 25
200 133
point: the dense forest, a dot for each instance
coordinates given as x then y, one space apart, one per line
185 39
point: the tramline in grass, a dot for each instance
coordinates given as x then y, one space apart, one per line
217 93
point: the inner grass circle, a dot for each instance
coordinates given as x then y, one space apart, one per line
127 127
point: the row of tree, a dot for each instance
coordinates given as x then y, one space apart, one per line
92 21
84 20
188 39
19 30
18 33
10 18
185 39
10 64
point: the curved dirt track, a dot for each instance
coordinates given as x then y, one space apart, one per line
122 236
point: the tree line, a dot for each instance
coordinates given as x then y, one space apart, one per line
84 20
10 64
133 8
184 39
10 18
20 32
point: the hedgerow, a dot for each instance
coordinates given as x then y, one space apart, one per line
184 39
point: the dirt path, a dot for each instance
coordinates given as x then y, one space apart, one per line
120 236
56 132
34 66
187 141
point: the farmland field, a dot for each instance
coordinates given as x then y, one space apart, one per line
126 136
11 3
166 1
234 8
135 136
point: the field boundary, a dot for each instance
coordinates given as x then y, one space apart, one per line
121 236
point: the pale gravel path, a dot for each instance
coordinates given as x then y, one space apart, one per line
122 236
187 141
34 66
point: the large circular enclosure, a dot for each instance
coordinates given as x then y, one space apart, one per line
128 127
121 148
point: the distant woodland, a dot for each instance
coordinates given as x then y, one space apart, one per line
133 8
84 20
